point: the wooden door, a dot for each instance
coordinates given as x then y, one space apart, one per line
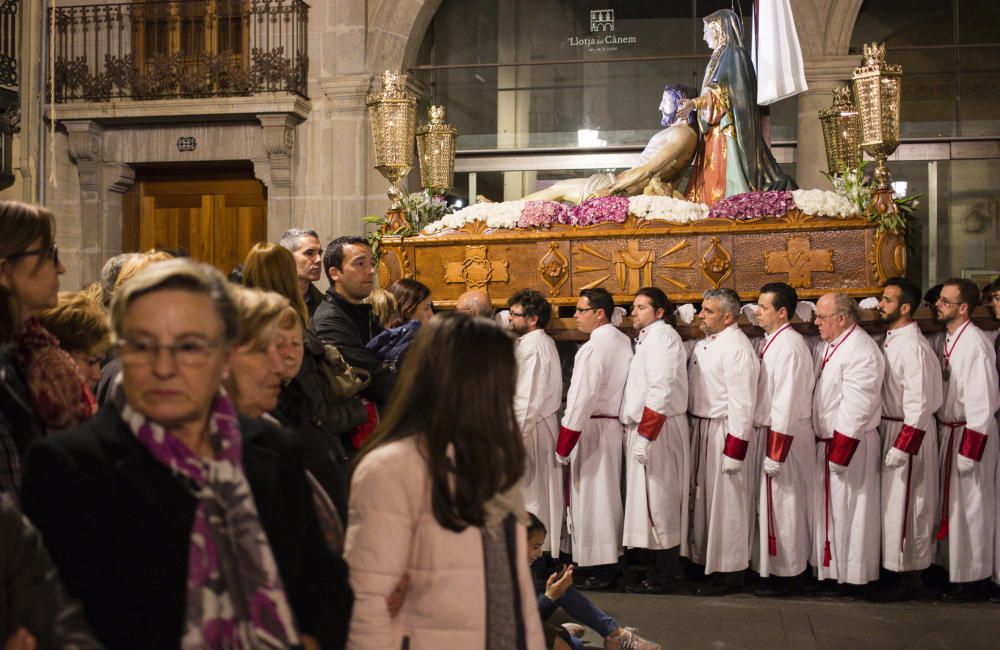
214 221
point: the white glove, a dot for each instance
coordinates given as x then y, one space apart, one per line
750 311
772 467
869 303
896 457
837 469
639 451
502 318
731 465
562 460
805 310
964 465
686 313
617 315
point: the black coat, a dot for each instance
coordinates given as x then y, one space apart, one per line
305 407
31 594
348 327
118 526
19 423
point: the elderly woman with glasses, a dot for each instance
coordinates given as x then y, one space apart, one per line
176 522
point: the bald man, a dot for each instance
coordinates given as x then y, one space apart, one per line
475 303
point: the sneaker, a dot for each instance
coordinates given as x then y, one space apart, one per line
629 640
574 630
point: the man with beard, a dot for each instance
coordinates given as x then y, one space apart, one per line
537 399
657 447
783 418
967 433
308 253
911 393
593 403
847 405
723 384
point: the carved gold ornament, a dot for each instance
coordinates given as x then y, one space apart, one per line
799 262
553 268
476 271
716 264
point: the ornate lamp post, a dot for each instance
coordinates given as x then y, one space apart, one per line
436 150
840 132
877 90
392 115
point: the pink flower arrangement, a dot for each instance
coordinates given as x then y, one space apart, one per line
751 205
540 214
611 209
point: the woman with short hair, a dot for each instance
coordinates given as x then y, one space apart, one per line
176 522
436 497
83 332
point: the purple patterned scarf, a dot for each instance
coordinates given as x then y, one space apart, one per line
235 599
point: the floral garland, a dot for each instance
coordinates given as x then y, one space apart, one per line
665 208
821 203
604 209
542 214
752 205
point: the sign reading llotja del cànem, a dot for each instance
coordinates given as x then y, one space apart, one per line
603 37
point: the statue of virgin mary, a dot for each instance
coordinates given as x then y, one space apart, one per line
733 157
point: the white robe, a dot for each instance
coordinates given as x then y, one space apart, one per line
723 384
593 404
911 393
970 396
537 399
847 400
656 494
784 405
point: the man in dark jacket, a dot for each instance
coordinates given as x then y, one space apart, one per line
344 321
308 252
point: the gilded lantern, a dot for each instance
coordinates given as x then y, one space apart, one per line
436 150
877 92
392 116
840 132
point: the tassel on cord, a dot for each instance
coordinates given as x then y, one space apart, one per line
52 95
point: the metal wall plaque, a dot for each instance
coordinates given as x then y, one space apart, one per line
187 143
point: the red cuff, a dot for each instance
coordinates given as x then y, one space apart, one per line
365 429
909 439
567 440
735 448
778 445
973 444
651 423
842 449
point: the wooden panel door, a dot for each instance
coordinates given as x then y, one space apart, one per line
214 221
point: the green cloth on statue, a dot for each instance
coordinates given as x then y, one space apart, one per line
732 72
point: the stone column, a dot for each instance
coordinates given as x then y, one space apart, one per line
347 163
279 143
86 148
823 74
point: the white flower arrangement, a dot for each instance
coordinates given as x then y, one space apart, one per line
665 208
823 203
496 215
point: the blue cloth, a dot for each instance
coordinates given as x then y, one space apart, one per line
580 608
390 344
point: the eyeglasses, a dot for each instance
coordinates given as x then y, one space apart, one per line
516 314
51 252
947 303
191 353
820 317
581 310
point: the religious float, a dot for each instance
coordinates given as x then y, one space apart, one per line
632 230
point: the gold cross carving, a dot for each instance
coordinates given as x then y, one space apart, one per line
799 262
476 271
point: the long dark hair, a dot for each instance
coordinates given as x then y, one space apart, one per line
20 225
456 390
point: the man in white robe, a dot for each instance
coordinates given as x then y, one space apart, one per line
783 417
657 444
967 439
847 407
722 374
911 393
593 404
537 399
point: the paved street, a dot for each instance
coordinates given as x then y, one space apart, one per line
748 622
